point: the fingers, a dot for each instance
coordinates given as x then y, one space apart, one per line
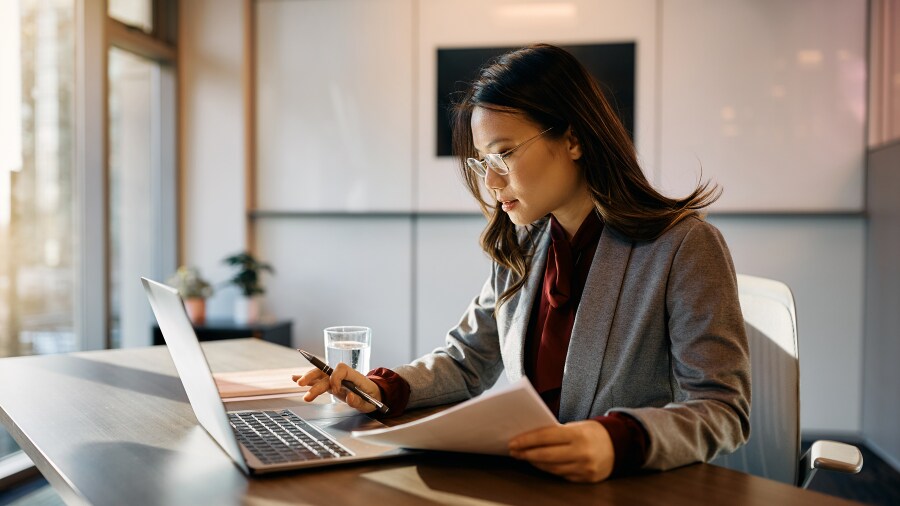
572 471
543 447
343 372
578 451
318 388
555 454
587 471
358 403
340 373
307 378
552 435
320 383
315 379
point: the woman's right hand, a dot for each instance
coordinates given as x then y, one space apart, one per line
320 383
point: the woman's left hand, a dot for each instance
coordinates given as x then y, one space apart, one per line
577 451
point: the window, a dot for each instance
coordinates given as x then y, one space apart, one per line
56 178
138 13
37 260
141 190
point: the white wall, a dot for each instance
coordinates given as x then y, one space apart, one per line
351 84
334 271
768 97
317 103
210 49
412 297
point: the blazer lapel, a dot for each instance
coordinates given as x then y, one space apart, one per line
517 310
593 322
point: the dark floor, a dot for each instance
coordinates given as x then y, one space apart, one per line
36 492
878 483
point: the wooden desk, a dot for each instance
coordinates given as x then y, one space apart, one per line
114 427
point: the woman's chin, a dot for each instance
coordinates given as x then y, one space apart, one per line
520 219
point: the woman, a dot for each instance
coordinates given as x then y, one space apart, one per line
618 303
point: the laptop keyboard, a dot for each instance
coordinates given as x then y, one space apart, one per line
277 437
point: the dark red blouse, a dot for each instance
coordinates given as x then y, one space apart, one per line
550 328
547 340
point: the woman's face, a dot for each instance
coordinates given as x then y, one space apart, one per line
543 176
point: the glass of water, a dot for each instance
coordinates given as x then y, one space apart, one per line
350 345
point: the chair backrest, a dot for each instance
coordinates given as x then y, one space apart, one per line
770 318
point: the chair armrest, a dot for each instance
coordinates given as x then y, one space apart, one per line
830 455
836 456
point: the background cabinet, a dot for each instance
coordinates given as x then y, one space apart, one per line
278 332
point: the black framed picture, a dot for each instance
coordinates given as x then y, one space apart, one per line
612 65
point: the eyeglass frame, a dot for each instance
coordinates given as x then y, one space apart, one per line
495 161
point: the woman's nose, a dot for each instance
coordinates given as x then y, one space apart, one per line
494 181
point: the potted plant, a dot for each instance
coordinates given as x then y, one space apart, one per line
248 278
194 290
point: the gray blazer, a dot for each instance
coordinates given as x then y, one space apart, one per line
658 335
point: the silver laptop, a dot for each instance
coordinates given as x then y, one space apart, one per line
291 437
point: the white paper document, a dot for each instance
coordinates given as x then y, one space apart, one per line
484 424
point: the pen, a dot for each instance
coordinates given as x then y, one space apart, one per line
322 366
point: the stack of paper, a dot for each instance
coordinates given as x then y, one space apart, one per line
256 383
484 424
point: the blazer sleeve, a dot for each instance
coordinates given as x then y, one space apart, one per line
468 364
710 358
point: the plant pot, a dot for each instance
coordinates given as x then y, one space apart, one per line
246 310
196 310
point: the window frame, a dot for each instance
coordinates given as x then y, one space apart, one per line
96 32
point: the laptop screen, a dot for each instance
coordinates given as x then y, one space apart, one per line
192 367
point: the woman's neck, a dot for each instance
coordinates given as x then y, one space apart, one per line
572 217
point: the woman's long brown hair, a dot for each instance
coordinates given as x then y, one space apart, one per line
551 88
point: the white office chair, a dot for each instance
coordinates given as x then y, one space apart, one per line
773 450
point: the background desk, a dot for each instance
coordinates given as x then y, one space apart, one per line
278 332
114 427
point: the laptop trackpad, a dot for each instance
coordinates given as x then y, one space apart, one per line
336 417
349 424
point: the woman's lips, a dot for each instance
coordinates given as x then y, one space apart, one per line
508 205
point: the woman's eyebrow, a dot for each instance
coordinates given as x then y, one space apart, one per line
492 143
497 141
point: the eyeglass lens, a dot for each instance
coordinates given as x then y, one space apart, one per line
492 161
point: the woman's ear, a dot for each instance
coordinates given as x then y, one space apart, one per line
573 144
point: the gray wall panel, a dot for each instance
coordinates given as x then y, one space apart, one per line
881 380
450 270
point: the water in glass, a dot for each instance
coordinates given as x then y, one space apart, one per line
353 353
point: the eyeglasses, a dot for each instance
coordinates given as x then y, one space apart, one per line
495 161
